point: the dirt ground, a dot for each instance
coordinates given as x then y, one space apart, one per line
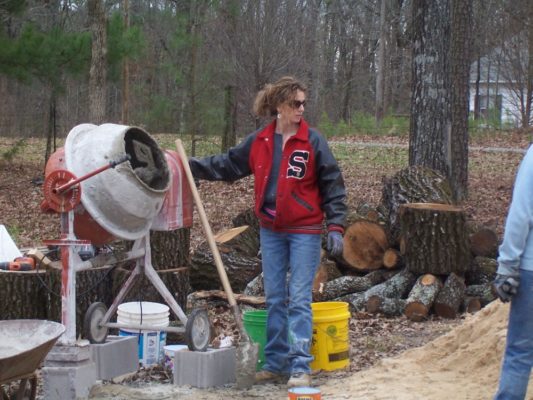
390 358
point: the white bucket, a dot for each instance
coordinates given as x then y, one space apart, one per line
151 342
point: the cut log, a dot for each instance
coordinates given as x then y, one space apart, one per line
435 239
255 287
327 271
484 243
415 184
176 281
23 296
242 239
389 307
352 284
421 297
392 259
471 305
397 286
482 271
356 301
483 292
247 217
450 297
364 245
170 249
240 267
219 294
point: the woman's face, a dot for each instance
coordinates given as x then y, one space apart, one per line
293 110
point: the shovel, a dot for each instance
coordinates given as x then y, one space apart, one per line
247 351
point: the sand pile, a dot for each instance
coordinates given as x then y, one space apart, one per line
463 364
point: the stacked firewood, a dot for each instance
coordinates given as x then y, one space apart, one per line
414 254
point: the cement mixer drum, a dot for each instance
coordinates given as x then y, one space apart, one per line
123 200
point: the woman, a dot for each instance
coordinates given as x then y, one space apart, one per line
297 181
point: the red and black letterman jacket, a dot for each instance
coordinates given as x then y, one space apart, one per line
310 183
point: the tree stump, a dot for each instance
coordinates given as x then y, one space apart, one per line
471 305
364 245
170 249
421 297
356 301
415 184
23 296
450 297
484 243
434 238
242 239
235 251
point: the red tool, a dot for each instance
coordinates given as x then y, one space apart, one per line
18 264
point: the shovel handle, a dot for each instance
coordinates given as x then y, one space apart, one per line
205 224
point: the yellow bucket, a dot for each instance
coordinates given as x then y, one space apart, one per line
331 341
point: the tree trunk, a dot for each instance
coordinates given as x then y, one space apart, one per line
125 117
229 138
412 185
460 60
98 70
421 297
356 301
434 239
221 295
450 297
392 259
326 272
23 296
364 245
483 292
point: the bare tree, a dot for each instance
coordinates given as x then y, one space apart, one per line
98 70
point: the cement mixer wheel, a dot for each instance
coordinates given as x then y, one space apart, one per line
91 323
61 202
198 330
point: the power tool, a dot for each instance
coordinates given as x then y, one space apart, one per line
18 264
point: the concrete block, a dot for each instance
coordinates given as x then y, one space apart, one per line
70 382
213 367
119 355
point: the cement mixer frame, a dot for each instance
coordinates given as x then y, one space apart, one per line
62 191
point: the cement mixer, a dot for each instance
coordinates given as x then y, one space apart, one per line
114 182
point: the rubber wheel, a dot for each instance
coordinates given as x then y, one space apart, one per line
198 330
91 323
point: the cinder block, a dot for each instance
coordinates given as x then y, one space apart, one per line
213 367
70 382
119 355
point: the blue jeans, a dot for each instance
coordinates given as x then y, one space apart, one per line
290 319
518 358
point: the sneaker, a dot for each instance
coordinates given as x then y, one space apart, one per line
299 379
265 376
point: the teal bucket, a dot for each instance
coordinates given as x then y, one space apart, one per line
255 325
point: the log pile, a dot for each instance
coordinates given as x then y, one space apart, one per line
413 255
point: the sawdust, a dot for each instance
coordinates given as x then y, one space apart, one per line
462 364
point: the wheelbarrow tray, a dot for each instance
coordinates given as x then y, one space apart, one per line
24 345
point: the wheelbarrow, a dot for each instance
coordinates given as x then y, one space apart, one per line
25 343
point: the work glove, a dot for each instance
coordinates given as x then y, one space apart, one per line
505 286
334 244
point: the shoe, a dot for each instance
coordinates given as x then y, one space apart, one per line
299 379
265 376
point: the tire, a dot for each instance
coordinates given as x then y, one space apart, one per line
198 330
91 323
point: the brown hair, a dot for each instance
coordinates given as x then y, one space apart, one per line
274 94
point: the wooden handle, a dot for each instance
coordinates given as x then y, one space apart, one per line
205 224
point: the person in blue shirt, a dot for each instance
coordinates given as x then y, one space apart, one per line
514 283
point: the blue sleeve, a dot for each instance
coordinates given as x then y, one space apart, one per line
228 166
519 219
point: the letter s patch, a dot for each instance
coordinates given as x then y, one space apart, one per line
297 164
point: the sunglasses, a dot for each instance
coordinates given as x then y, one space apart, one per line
297 104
